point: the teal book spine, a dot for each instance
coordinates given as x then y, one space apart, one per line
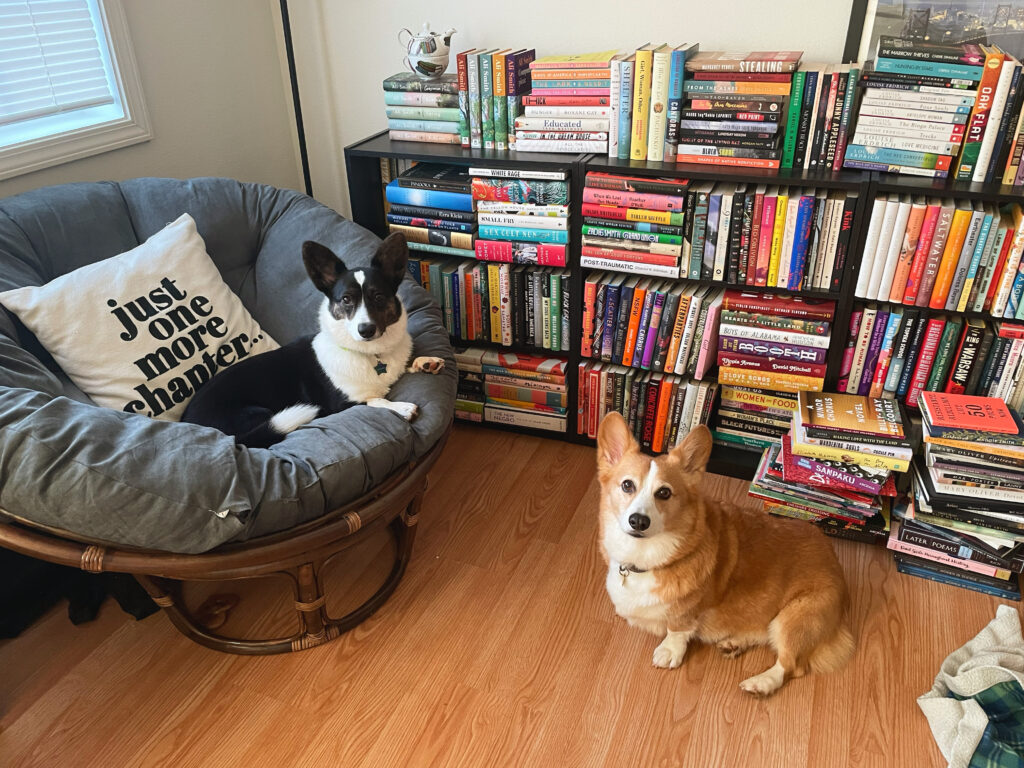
796 96
430 126
929 68
488 232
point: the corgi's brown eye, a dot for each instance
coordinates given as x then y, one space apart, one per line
663 493
627 486
346 300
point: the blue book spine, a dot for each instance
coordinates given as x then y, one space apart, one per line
929 68
675 101
907 157
611 313
1015 293
428 126
456 305
428 198
801 242
488 232
625 108
979 249
641 334
413 265
572 84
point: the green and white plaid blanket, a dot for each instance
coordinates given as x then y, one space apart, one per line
976 706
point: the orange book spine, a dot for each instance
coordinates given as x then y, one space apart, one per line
661 415
678 326
634 323
950 257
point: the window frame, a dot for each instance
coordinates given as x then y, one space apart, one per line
132 127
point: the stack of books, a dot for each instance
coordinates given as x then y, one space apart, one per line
819 115
490 86
422 110
734 108
945 255
898 353
772 236
835 465
774 346
432 205
646 101
650 324
962 524
633 224
522 390
660 408
567 109
938 110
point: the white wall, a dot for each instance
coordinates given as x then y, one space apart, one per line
345 48
217 95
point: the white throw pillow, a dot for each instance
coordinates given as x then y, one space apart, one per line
140 332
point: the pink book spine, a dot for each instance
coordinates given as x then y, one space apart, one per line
708 355
941 557
925 359
541 254
624 199
924 244
851 345
568 91
911 238
764 245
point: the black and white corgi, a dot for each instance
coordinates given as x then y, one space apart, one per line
362 349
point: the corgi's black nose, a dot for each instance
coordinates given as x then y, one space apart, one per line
639 522
366 330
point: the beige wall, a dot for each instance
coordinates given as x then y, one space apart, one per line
345 48
217 93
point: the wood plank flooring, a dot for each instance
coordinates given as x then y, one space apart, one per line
499 648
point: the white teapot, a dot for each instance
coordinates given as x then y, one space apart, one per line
427 51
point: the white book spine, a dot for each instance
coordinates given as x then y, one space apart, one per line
538 420
995 113
522 209
788 236
833 245
574 124
631 267
722 246
514 220
885 238
567 112
773 335
657 123
613 101
516 173
952 99
892 256
554 145
890 126
901 113
909 144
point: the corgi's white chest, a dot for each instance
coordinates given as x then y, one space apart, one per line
362 377
634 598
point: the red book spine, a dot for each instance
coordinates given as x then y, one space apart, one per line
993 287
784 306
566 101
799 368
1011 331
541 254
650 202
639 257
593 383
650 413
582 411
926 356
924 244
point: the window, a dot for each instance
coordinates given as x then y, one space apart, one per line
68 83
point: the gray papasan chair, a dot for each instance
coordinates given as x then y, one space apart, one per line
109 491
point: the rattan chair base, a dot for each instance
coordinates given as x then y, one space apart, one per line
299 554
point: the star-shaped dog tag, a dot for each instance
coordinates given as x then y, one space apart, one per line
381 367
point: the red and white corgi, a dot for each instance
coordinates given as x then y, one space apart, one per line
685 568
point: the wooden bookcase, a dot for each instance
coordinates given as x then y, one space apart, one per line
364 181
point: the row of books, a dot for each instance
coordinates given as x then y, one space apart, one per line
819 116
651 324
505 388
769 348
944 254
899 352
835 465
962 523
660 409
937 110
733 106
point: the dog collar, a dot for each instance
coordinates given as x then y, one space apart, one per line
381 367
627 568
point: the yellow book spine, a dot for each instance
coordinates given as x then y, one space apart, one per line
965 445
494 294
838 454
950 257
758 398
652 217
778 233
787 382
641 103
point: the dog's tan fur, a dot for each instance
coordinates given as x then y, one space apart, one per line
713 574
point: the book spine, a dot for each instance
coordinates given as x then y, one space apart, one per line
625 109
490 232
793 118
782 350
929 345
989 82
817 341
643 65
657 116
542 254
675 102
475 106
487 99
462 75
654 202
614 94
424 137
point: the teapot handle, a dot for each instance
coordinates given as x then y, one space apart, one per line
405 43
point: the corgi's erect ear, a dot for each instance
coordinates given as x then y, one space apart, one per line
322 265
391 258
695 450
613 441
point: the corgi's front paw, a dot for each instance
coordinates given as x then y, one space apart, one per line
427 365
407 411
669 654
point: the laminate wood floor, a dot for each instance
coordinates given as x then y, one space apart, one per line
499 648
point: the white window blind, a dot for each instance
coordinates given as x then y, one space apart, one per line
50 59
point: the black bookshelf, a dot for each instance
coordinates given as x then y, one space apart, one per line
364 181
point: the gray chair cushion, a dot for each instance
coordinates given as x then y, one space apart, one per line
128 479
